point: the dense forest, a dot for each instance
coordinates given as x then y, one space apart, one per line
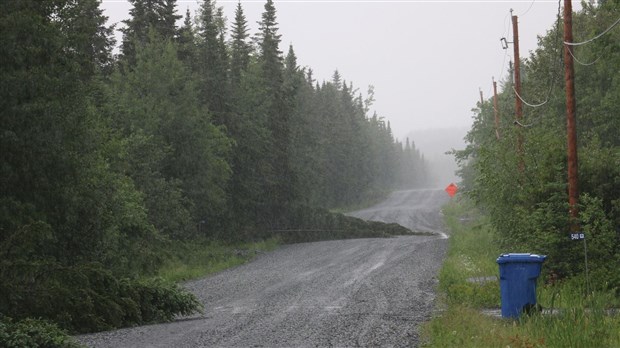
525 193
195 130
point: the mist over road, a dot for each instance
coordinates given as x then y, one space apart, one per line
418 210
345 293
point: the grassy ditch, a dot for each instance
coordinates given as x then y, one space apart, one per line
191 260
577 321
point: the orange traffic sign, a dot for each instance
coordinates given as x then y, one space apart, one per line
451 189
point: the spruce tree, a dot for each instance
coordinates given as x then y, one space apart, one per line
147 15
270 60
166 25
239 46
62 203
186 40
269 51
213 60
176 156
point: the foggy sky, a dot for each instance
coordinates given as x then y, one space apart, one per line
426 59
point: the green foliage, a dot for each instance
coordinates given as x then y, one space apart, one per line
466 321
161 301
240 48
471 258
146 16
603 253
313 224
87 297
108 163
212 61
33 333
461 326
174 154
529 206
199 258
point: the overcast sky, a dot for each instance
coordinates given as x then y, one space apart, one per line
426 59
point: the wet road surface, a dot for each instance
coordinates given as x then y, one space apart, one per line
345 293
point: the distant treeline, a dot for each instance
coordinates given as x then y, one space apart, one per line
197 131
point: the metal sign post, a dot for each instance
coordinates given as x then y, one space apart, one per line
582 236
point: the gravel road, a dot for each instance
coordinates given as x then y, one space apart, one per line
345 293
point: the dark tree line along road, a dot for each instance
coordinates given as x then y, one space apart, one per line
361 292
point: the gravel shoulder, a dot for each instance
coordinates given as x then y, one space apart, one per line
344 293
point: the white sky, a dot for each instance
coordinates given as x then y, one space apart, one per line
426 59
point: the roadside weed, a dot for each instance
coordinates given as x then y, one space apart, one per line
569 317
194 260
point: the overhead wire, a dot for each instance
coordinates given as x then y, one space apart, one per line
506 25
572 44
528 9
594 38
503 63
552 80
529 104
582 63
523 125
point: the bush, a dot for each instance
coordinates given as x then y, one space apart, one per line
87 298
33 333
313 224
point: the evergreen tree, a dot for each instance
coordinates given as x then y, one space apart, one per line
239 46
269 51
336 79
186 39
281 193
166 26
147 15
176 156
91 42
213 60
61 204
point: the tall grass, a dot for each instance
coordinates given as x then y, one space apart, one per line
471 255
575 321
193 260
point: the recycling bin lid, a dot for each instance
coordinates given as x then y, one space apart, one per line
520 257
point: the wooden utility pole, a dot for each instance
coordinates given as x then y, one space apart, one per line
517 86
495 109
481 98
569 78
571 134
517 72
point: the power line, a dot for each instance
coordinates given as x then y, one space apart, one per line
528 9
582 63
503 63
594 38
528 104
506 24
523 125
552 80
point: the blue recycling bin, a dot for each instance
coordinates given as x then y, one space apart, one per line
517 280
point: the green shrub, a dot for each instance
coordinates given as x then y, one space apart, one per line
33 333
87 298
190 260
307 224
577 320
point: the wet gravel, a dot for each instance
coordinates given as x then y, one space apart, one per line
345 293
